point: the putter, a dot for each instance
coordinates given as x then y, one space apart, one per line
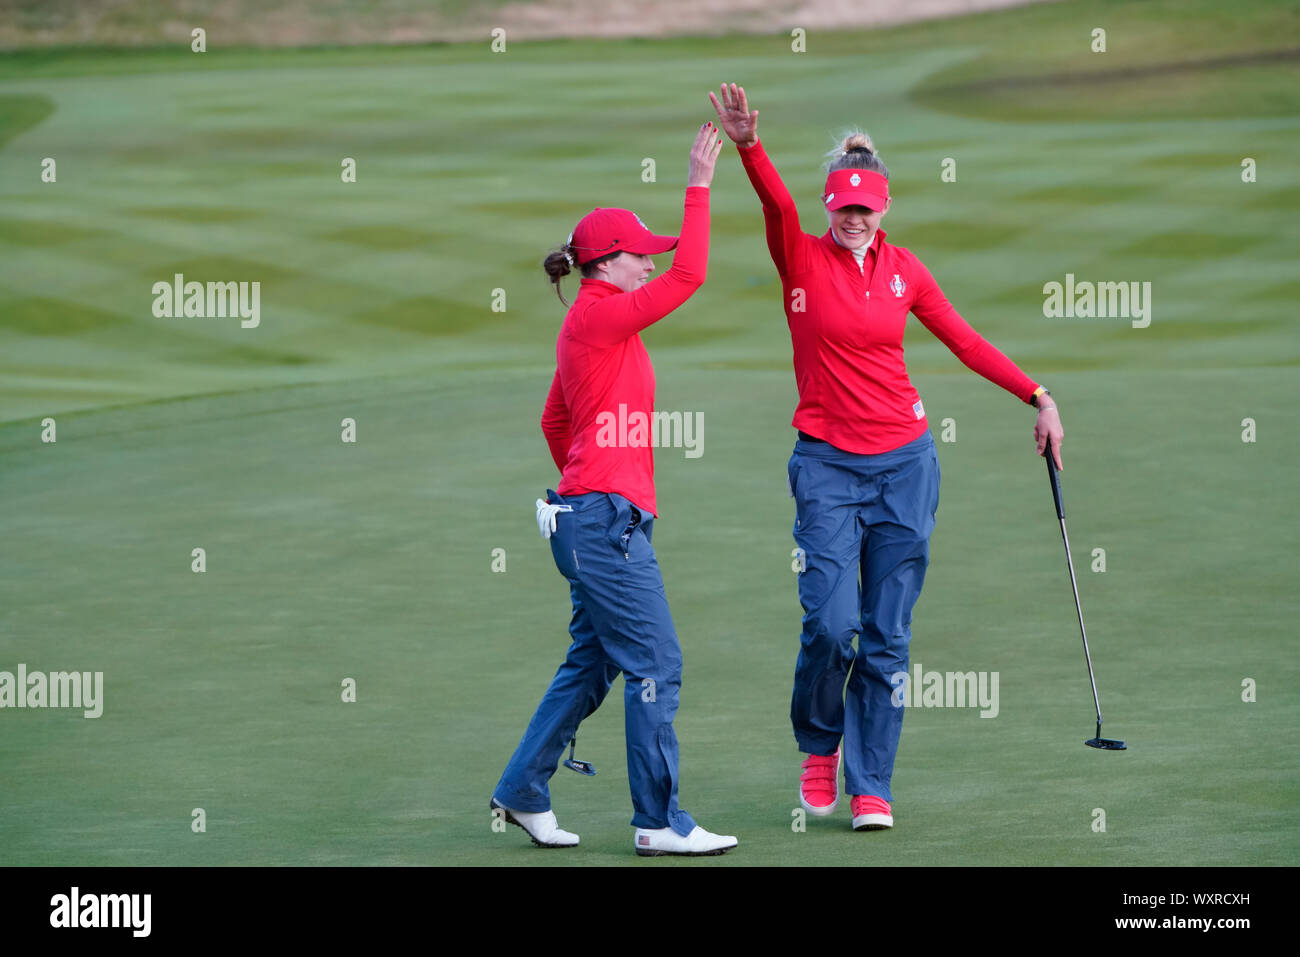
582 767
1103 744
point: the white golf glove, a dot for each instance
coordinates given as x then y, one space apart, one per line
546 513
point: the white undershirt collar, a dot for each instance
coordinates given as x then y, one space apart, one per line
860 254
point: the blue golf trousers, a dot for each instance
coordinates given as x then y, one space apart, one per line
863 523
620 624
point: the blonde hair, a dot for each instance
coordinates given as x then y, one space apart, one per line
855 151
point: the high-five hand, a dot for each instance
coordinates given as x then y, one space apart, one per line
704 155
734 116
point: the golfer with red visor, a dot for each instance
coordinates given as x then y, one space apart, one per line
864 473
601 518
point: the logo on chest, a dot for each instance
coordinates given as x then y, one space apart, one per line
898 286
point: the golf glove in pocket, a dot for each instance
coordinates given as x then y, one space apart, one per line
546 513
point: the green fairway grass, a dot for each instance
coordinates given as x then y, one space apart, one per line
373 560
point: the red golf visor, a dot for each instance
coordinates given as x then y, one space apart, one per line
856 187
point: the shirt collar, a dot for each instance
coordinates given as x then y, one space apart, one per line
599 287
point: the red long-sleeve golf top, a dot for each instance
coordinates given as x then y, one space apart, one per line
602 365
846 326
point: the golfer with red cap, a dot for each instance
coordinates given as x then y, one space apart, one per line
601 519
864 473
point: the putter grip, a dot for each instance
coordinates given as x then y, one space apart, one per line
1056 481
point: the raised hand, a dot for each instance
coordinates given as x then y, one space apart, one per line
734 116
704 156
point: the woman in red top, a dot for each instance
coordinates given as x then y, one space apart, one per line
865 473
601 520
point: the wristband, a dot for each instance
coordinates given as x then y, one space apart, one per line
1040 391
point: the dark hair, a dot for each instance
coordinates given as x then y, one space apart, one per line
560 262
856 152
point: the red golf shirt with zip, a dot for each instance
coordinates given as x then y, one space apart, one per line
602 365
846 327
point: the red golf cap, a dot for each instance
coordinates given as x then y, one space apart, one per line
856 187
605 231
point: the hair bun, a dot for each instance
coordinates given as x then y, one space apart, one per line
854 150
857 142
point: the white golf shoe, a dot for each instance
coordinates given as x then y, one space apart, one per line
664 840
540 826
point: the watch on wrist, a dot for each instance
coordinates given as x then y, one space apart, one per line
1038 393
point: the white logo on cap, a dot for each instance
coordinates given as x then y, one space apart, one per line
829 197
855 179
642 225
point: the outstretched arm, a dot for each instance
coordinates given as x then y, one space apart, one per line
621 317
779 213
978 354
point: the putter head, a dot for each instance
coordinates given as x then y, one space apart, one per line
1105 744
573 764
585 767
